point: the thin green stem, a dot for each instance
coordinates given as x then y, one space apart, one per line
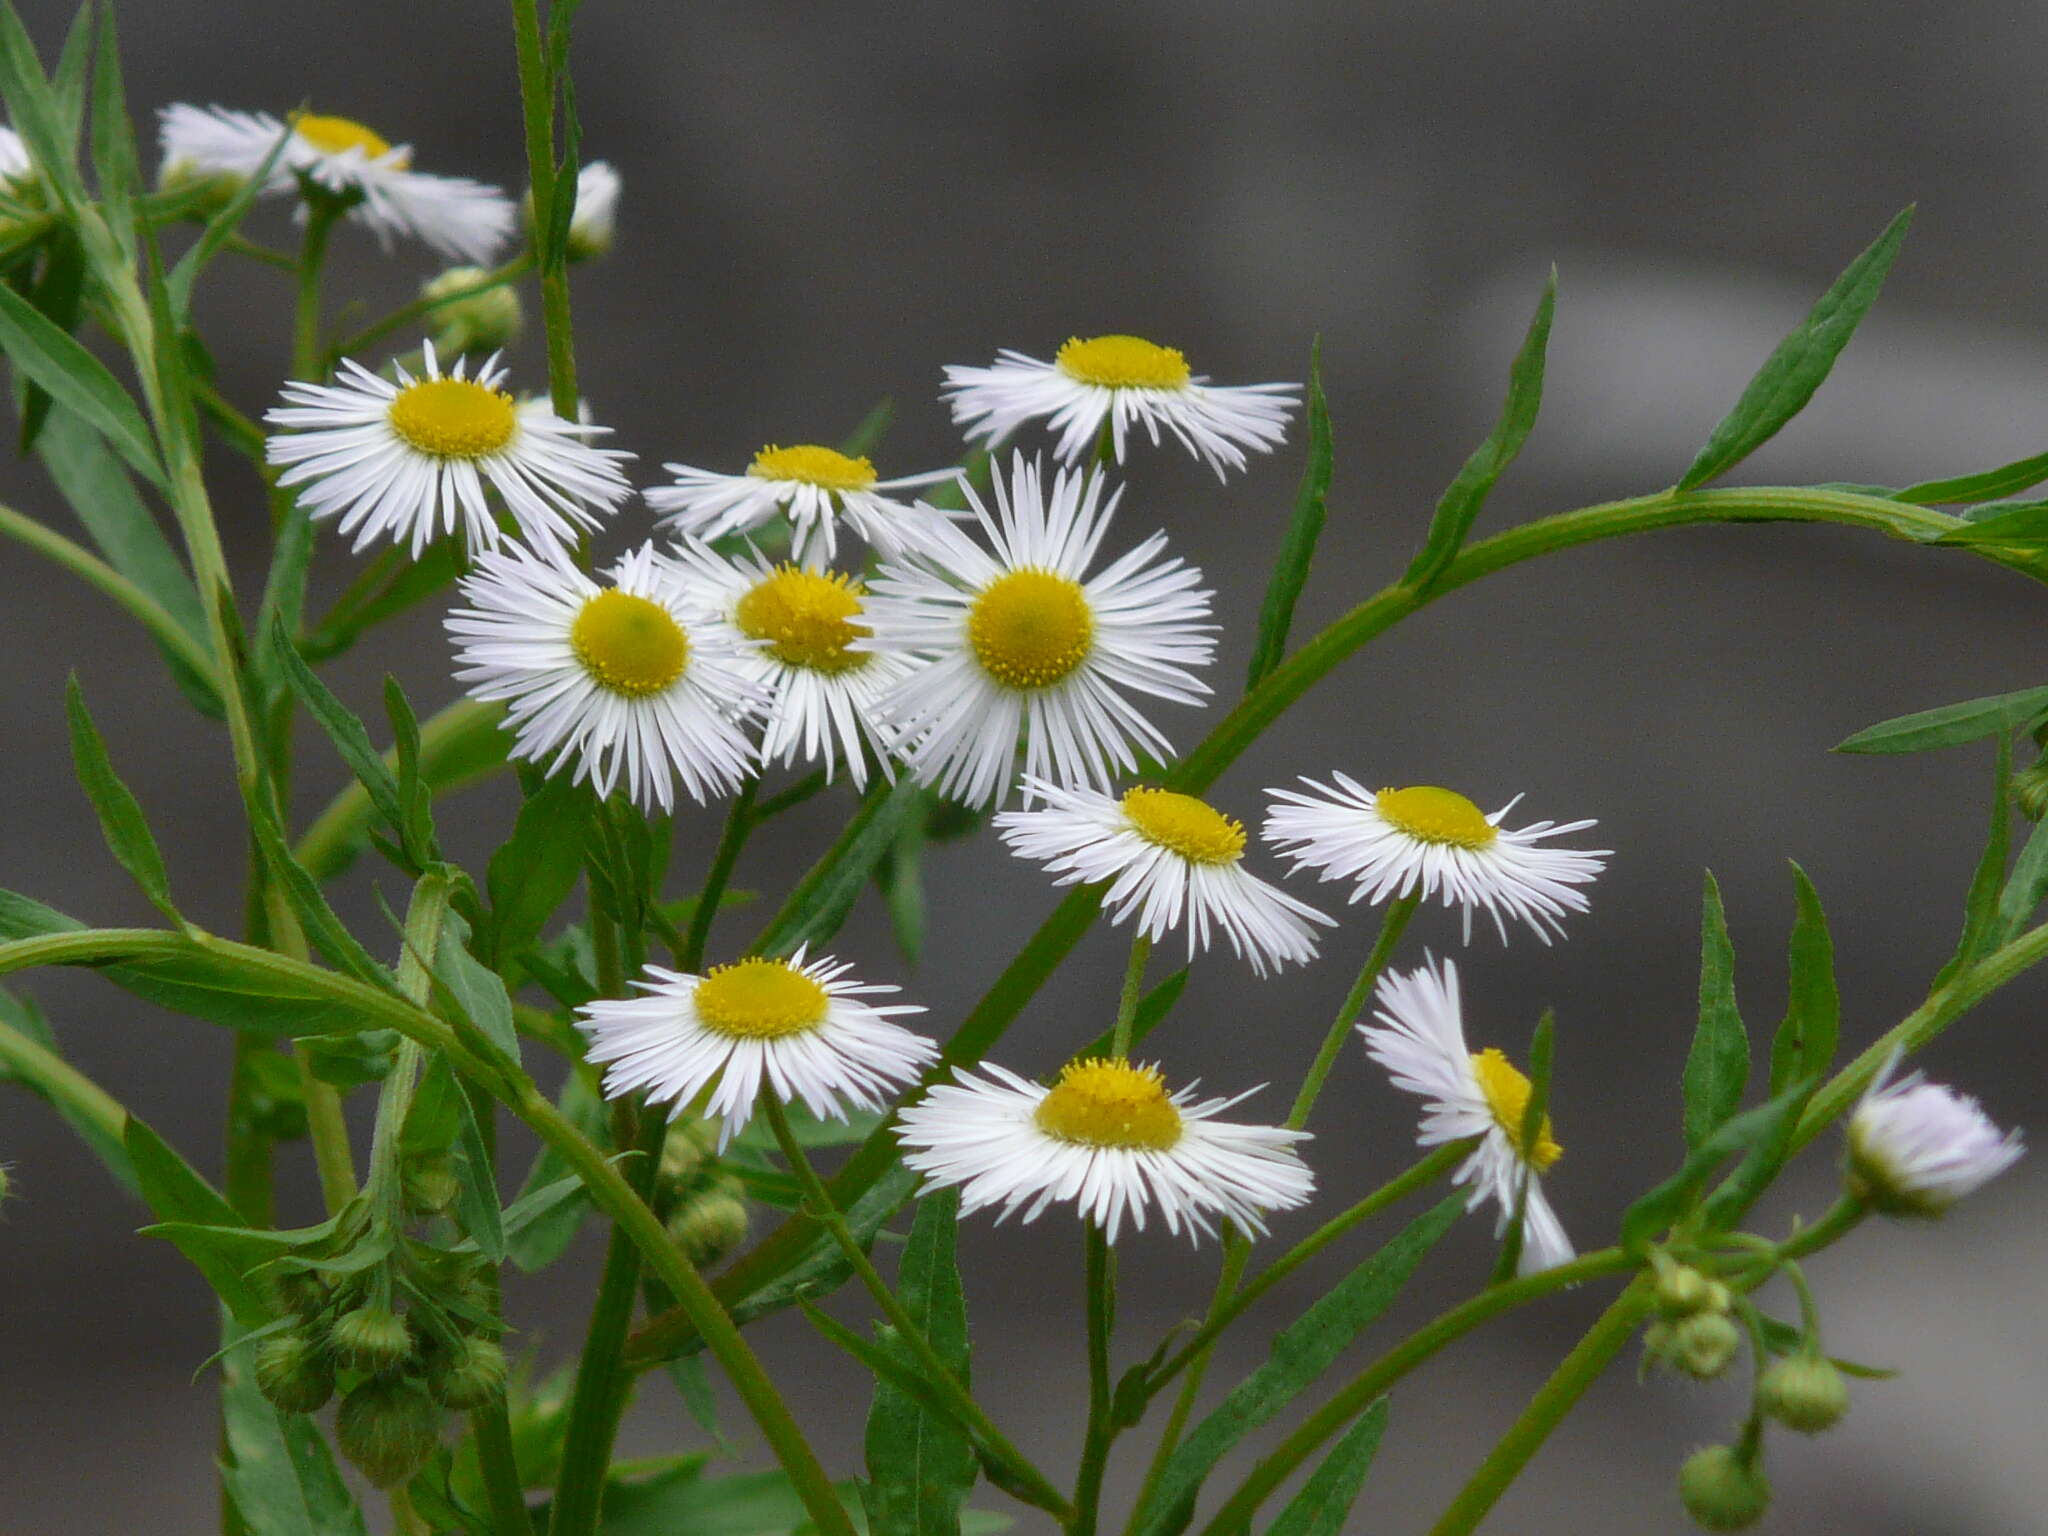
739 823
537 89
1101 1283
269 256
1127 1000
1237 1253
309 361
420 308
62 1083
779 926
1399 910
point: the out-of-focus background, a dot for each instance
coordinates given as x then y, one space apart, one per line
825 203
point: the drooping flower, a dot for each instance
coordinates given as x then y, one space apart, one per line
1021 640
1420 1040
1171 860
409 461
797 1029
627 683
1124 381
1108 1137
1916 1148
815 488
1434 843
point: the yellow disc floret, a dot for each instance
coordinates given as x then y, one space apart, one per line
825 468
1192 828
453 418
338 135
1123 362
760 1000
1435 815
806 617
1110 1103
1507 1095
628 644
1030 628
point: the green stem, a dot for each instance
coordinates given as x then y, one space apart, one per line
1127 1001
309 362
537 106
942 1380
774 936
62 1083
739 823
420 308
423 921
1399 910
1101 1282
1237 1253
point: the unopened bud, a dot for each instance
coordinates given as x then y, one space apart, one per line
431 1185
1683 1290
685 1151
294 1372
300 1291
208 191
466 1373
1701 1345
1804 1392
594 225
371 1339
482 322
1722 1491
2030 791
389 1428
710 1225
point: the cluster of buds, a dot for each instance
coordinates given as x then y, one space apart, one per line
704 1207
1693 1334
473 311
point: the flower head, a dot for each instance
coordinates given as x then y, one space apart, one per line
816 488
1019 639
1172 860
1121 380
594 224
1420 1040
409 460
629 682
337 156
1916 1148
1431 842
794 1028
1109 1137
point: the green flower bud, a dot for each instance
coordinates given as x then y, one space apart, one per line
483 322
684 1156
2030 791
1703 1344
1683 1290
211 191
1719 1297
294 1372
3 1181
431 1185
1804 1392
300 1291
710 1225
389 1428
466 1373
371 1339
1722 1491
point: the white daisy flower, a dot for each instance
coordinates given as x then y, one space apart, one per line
1171 859
594 225
1120 380
1110 1138
408 461
1023 640
1420 1040
1916 1148
799 1030
804 642
630 682
815 488
456 216
1429 842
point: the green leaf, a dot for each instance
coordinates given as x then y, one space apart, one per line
1672 1199
177 1194
921 1464
826 894
1801 362
57 293
683 1500
1326 1498
222 225
901 879
23 1015
1717 1068
323 928
75 379
1951 724
276 1466
34 109
442 1119
1300 1353
115 161
1153 1008
1760 1165
415 792
68 80
2025 890
863 439
351 739
476 991
1460 505
1805 1042
2001 522
537 866
1298 547
2006 480
1981 922
121 819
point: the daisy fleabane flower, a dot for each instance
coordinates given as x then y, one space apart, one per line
1427 842
1916 1148
1171 860
804 641
1109 1137
409 460
454 215
1121 380
1021 639
1420 1040
797 1029
816 488
629 683
594 225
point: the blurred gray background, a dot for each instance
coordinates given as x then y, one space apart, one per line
824 203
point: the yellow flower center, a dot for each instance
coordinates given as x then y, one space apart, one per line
338 135
1507 1095
807 618
823 467
629 644
1433 815
1030 628
760 1000
453 418
1123 362
1192 828
1108 1103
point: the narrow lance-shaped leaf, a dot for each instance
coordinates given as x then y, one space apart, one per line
115 161
276 1466
57 292
863 439
1298 547
74 378
827 893
2001 522
2025 889
1673 1198
351 739
1805 1042
1951 725
1153 1008
1717 1068
533 872
1326 1498
25 1018
121 819
1987 884
1460 504
34 110
179 1195
2006 480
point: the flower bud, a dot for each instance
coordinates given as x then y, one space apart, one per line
300 1291
209 191
1916 1148
1683 1290
371 1339
466 1373
482 322
685 1155
711 1224
431 1185
1803 1392
389 1428
3 1181
2030 791
594 225
1701 1345
294 1372
1722 1491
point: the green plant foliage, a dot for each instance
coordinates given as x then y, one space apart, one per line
1298 545
1717 1068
